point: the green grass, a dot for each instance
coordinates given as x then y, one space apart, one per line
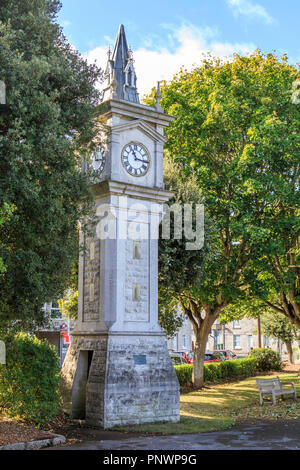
218 407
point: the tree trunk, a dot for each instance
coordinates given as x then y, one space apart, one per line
290 351
198 366
201 335
258 332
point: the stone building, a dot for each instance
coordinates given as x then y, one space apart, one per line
58 331
238 336
184 339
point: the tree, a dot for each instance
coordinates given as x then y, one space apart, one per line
237 131
176 265
181 270
277 326
51 95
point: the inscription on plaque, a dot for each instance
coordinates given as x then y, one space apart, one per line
140 360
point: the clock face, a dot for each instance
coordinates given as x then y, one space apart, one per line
98 160
135 159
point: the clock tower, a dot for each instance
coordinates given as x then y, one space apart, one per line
117 369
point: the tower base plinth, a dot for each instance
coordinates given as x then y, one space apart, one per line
118 379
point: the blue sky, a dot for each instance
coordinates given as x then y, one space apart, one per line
167 34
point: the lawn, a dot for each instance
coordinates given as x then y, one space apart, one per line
217 407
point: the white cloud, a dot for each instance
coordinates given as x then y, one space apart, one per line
66 23
247 8
164 62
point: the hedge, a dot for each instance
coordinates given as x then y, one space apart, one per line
266 359
237 368
29 379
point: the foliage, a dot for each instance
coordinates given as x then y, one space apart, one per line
266 359
68 305
219 371
278 326
29 380
177 266
184 374
169 317
5 213
237 133
248 307
50 126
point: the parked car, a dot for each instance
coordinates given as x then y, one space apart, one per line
190 357
178 359
213 357
183 354
228 355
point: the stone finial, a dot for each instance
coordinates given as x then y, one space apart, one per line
113 86
130 54
158 97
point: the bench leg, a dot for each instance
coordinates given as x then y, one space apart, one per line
261 400
274 398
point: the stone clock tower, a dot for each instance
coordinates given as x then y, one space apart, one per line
118 370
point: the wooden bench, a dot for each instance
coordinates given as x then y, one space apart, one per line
274 387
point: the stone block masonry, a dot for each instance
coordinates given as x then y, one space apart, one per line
130 380
118 370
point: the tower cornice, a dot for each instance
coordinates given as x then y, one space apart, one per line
133 110
117 188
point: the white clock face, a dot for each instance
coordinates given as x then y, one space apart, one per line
135 159
98 160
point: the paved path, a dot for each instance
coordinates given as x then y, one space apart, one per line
261 435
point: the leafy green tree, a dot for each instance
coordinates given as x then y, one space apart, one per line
278 326
237 131
170 317
181 270
51 96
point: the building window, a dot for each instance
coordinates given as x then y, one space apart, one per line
137 250
184 341
54 310
136 293
250 342
236 324
236 341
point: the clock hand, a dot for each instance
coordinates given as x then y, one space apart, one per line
135 157
139 160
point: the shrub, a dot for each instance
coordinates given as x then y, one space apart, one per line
266 359
184 374
29 380
218 371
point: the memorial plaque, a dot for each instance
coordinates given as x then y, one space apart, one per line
140 360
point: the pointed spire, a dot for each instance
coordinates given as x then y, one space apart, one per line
120 54
120 70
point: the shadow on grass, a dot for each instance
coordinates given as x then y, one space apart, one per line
212 408
186 425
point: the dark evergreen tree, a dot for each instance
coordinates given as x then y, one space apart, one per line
49 127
